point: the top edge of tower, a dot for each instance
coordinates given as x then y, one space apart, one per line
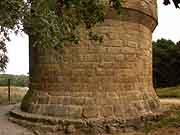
148 7
141 11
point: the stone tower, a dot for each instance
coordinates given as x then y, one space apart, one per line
99 82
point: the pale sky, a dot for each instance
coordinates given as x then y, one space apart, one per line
169 21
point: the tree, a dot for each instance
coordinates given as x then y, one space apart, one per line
166 61
52 22
176 3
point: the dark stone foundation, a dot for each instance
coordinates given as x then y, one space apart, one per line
62 126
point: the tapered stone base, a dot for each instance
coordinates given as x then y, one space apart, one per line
61 126
86 105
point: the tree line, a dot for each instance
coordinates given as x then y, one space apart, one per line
16 80
166 63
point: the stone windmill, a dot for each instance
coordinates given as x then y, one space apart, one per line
112 81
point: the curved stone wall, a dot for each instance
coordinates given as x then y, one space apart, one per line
148 7
88 81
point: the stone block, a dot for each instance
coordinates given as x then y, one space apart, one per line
107 111
74 112
90 112
73 100
119 111
56 110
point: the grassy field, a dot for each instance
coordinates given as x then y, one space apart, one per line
17 93
170 92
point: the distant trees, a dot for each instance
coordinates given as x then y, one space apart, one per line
16 80
166 63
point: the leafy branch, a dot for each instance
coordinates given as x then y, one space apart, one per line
50 22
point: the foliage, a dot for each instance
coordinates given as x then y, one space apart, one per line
176 3
11 14
166 62
51 23
16 80
169 92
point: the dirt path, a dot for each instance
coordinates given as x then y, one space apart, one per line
170 101
7 127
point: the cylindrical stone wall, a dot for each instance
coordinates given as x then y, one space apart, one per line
111 80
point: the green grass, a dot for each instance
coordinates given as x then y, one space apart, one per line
170 92
170 119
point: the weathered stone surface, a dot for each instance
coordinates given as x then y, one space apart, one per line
90 112
58 125
112 80
70 129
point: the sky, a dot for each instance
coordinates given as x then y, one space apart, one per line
168 28
169 22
